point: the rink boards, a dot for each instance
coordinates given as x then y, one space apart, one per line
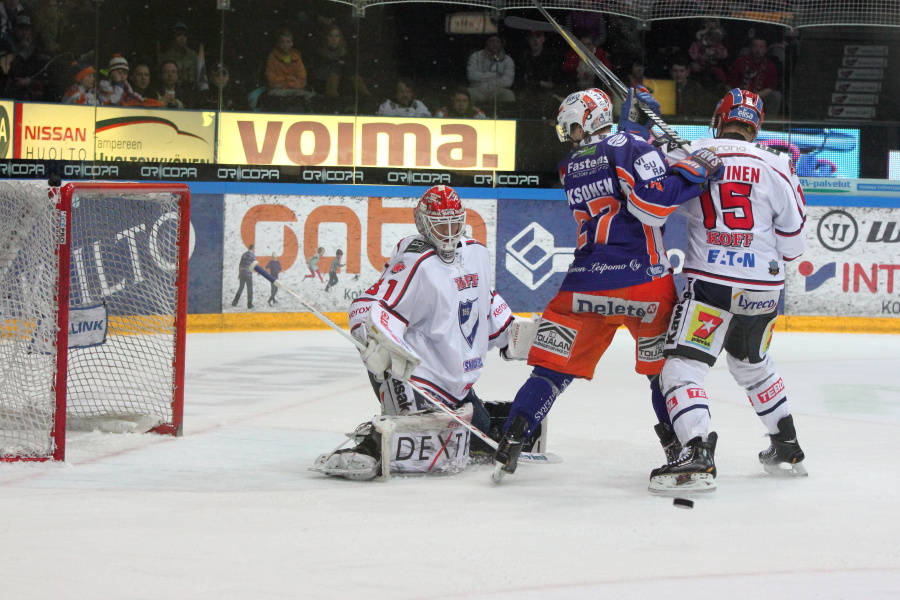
848 280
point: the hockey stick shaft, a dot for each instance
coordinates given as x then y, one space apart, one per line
360 346
609 78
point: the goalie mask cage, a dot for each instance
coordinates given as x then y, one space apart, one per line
93 298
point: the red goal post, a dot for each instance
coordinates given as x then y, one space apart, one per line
93 303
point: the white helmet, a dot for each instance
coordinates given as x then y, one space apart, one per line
441 219
591 109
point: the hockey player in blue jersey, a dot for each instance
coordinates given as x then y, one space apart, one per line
620 190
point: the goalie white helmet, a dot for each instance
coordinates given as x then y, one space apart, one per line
441 219
590 109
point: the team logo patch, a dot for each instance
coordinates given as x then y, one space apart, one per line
398 267
468 320
651 349
617 140
555 338
703 325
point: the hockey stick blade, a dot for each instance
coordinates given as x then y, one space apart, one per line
540 458
609 78
255 266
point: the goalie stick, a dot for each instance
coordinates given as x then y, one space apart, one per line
528 457
606 76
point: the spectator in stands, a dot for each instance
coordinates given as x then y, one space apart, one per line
81 90
285 77
536 78
170 92
691 98
116 90
140 80
219 85
9 10
583 76
332 75
708 54
588 22
491 73
755 72
635 76
184 57
460 107
403 104
49 25
27 78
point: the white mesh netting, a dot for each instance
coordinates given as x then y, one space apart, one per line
790 13
124 255
28 309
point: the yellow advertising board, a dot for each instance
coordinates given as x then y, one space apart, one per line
54 132
6 129
154 135
108 134
347 141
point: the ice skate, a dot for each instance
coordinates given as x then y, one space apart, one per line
693 471
349 463
668 440
783 457
506 458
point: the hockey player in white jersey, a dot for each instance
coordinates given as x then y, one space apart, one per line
741 232
431 318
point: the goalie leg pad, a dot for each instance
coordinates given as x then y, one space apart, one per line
424 443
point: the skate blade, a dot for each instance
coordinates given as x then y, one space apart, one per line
786 470
352 474
697 483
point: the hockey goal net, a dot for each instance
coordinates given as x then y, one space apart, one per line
93 296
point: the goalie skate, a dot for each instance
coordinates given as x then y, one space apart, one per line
347 463
693 472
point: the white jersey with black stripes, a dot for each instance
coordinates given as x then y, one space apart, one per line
452 313
745 226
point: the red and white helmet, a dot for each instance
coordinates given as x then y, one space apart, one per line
591 109
741 107
441 219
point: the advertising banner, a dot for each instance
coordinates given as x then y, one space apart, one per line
133 134
851 267
357 233
54 132
6 130
113 134
535 246
345 141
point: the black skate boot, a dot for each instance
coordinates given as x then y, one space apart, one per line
668 440
784 457
506 457
693 471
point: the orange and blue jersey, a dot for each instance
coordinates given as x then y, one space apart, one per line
620 191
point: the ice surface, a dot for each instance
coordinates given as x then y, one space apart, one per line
229 511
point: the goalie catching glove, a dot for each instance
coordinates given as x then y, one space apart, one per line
386 354
633 120
701 166
521 335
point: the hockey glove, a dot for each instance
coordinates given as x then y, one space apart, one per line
520 335
634 120
700 167
388 356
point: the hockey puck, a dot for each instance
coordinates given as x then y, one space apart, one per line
683 503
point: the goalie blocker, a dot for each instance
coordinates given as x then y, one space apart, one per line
421 444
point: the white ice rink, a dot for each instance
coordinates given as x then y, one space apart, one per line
230 511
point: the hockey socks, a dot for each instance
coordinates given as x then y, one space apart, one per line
536 397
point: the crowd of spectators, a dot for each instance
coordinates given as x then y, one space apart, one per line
328 69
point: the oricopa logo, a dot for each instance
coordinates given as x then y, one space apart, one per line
815 278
